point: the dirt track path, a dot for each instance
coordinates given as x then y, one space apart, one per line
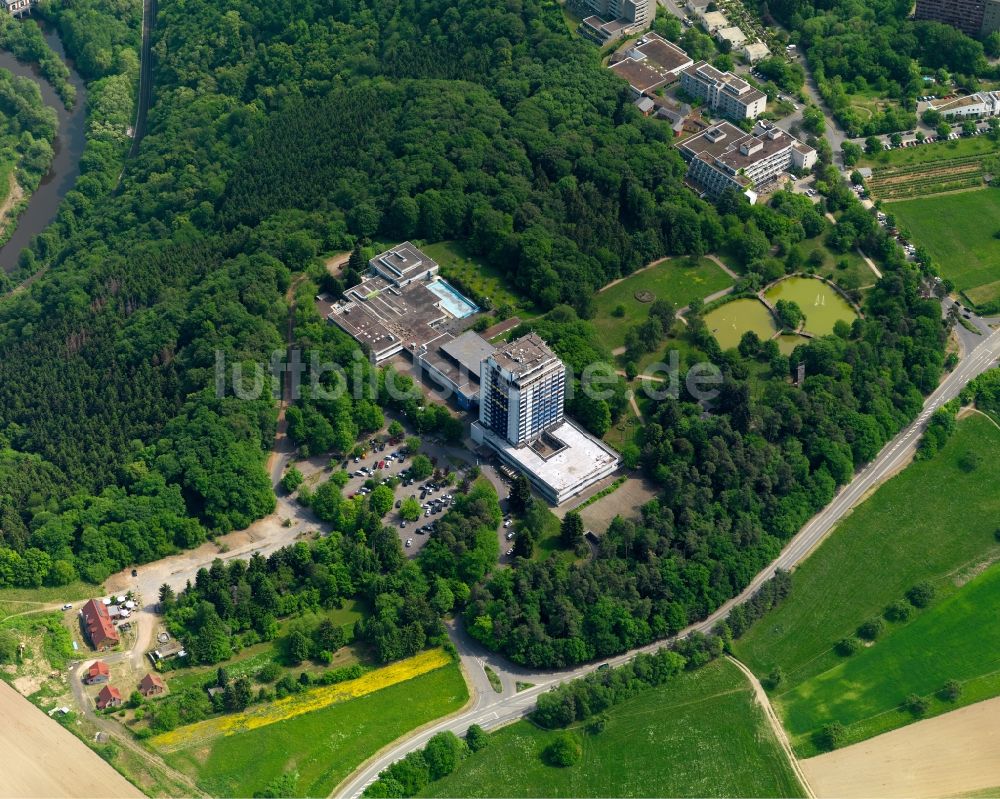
779 731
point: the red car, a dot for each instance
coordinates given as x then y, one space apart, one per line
381 464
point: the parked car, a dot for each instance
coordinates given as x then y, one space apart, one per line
67 607
510 552
409 542
510 536
507 523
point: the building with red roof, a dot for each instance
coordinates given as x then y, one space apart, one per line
109 697
98 626
152 685
98 672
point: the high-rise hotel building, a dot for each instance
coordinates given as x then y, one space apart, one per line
522 387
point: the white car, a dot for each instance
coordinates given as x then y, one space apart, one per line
67 607
507 523
510 552
510 535
409 542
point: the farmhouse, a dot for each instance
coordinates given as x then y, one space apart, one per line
400 305
151 685
109 697
97 673
96 622
724 157
723 91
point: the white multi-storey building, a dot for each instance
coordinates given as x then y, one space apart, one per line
980 104
613 19
522 391
724 157
723 91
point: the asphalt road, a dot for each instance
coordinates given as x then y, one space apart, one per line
489 709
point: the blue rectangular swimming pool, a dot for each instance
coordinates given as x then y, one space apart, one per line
454 303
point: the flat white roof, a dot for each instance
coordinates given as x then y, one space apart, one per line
582 460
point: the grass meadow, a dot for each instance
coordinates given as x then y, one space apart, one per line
956 638
323 746
958 231
928 153
934 521
677 281
702 735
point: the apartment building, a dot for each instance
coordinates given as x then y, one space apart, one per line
18 8
723 92
613 19
651 62
974 17
724 157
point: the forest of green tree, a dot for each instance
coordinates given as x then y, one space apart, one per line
282 131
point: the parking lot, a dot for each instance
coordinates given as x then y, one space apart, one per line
383 461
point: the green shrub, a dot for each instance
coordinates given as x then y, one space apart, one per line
564 751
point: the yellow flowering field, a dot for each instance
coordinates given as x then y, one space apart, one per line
297 704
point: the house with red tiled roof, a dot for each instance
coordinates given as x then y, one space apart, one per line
98 626
109 697
98 672
152 685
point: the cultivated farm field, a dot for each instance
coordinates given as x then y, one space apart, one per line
702 735
936 522
920 180
958 231
325 743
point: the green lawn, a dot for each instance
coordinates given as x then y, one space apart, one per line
932 522
856 273
324 746
468 270
699 736
676 281
958 231
955 638
926 153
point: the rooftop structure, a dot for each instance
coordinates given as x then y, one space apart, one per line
980 104
454 363
755 51
724 157
651 63
714 20
731 34
563 462
97 623
401 304
523 387
613 19
723 91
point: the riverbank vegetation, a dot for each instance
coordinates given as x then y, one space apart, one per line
24 39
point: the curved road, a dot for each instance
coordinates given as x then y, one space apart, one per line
490 709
